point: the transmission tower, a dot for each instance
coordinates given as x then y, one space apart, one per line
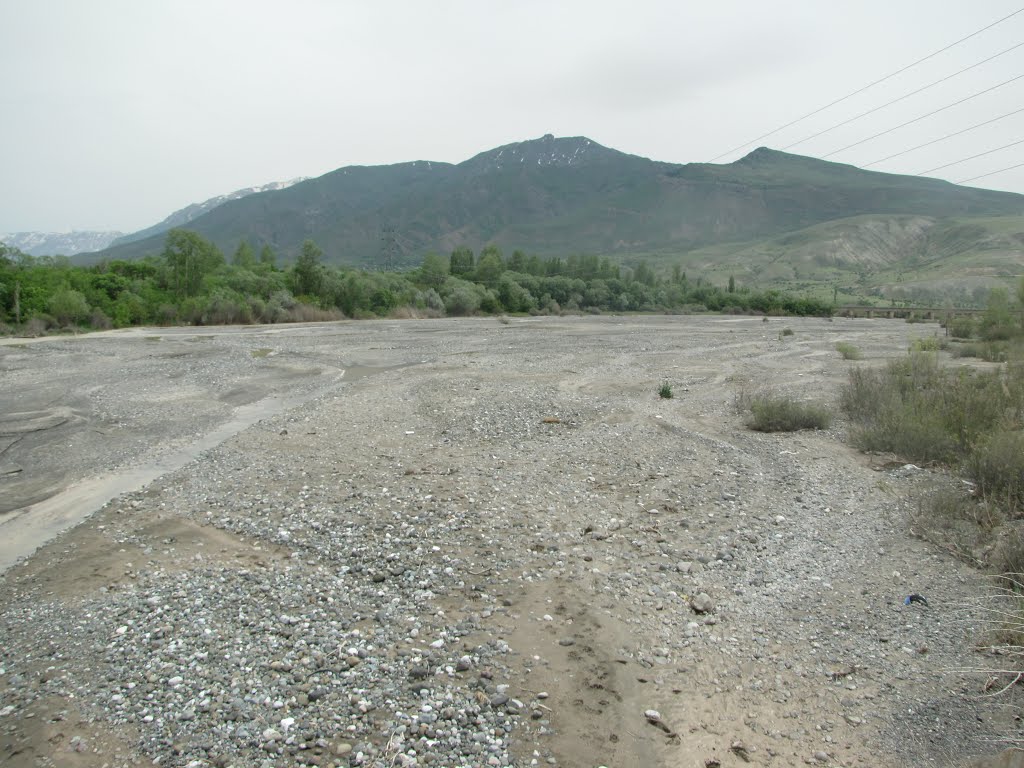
388 247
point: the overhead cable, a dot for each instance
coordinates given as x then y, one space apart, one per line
942 138
901 98
869 85
990 173
972 157
974 95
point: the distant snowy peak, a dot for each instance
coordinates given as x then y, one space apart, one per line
213 202
191 212
59 243
546 151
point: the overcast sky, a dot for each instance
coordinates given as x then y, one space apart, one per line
117 112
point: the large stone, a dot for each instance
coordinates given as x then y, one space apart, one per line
702 603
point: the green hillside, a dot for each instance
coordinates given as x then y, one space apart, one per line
871 258
555 196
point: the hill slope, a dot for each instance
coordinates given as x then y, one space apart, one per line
568 195
189 213
890 256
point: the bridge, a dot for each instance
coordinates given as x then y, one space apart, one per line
917 313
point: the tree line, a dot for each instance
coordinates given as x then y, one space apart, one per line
192 282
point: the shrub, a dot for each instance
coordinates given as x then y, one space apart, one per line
307 313
665 392
37 325
928 344
463 300
98 319
848 351
1008 556
1001 332
947 509
962 328
989 351
778 413
922 412
785 332
68 306
996 465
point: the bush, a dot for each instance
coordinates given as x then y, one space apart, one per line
68 306
962 328
1008 556
307 313
989 351
947 509
928 344
665 392
1002 332
785 332
778 413
99 320
463 300
996 465
37 325
922 412
848 351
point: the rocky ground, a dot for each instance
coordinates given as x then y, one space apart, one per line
484 544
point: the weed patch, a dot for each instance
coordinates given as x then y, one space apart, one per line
928 344
848 351
925 413
779 413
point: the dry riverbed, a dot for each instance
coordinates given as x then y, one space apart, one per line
469 543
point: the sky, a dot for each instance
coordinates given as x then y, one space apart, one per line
114 113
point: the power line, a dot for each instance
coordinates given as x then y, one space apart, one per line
943 138
901 98
922 117
869 85
972 157
990 173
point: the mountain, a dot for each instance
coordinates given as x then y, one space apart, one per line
556 196
59 243
190 212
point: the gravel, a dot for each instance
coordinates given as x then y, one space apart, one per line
508 553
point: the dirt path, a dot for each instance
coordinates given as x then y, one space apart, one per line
487 554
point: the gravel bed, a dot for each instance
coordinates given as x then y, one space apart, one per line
504 549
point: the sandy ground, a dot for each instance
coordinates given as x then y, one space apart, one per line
584 512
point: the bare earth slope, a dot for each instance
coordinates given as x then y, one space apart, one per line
484 551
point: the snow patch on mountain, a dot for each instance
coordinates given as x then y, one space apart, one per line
545 151
59 243
190 212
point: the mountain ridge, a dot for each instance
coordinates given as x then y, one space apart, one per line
60 243
566 195
190 212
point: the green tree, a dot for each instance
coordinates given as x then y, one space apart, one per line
307 274
190 258
997 321
244 256
517 262
434 271
267 256
732 284
68 306
644 274
490 266
461 261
